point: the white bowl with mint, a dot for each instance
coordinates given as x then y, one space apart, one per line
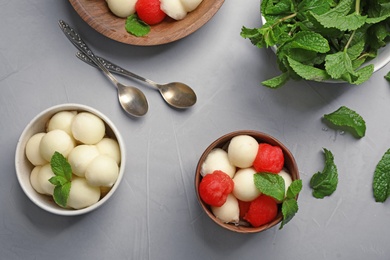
70 159
318 41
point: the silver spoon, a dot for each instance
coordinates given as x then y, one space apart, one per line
176 94
132 100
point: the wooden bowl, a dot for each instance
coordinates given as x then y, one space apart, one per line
99 17
223 142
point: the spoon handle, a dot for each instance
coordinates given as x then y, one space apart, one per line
76 40
114 68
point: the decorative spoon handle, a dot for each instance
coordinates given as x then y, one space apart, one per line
76 40
113 68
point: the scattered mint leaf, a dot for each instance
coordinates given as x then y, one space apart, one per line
345 117
136 26
289 209
270 185
381 182
62 179
325 183
388 76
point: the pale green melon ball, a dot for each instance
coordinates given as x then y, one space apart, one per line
33 153
81 194
88 128
244 185
242 150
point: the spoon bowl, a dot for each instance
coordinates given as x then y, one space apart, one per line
132 99
176 94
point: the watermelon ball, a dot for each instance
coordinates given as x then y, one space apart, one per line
243 207
261 211
269 159
215 187
149 11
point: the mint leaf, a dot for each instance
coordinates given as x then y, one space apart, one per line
307 72
61 194
381 182
290 204
277 81
338 64
58 180
270 185
387 77
136 27
289 209
345 117
294 189
342 17
62 179
60 166
325 183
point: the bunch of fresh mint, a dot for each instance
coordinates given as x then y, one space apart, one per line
322 39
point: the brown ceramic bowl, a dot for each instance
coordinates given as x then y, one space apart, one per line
222 142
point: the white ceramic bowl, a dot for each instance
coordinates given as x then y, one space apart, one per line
24 167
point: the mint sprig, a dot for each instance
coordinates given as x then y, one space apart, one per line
325 183
62 179
273 185
345 117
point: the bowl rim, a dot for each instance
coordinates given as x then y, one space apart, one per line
20 156
223 141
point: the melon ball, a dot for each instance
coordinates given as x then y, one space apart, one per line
286 177
229 212
190 5
110 147
173 8
122 8
35 181
62 120
102 171
217 159
80 157
81 194
244 185
242 150
45 173
56 141
88 128
32 150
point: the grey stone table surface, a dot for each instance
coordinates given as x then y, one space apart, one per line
155 213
